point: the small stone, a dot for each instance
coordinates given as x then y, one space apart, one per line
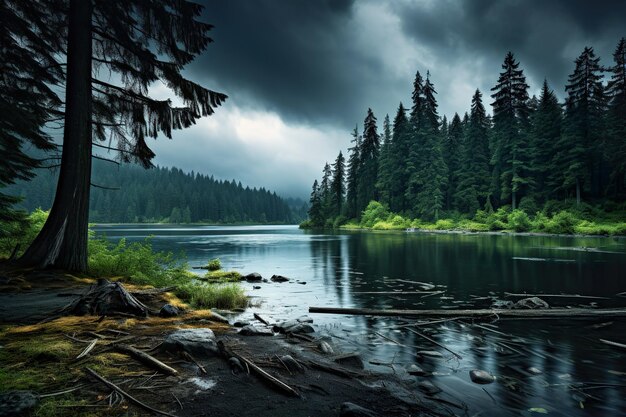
279 278
300 328
253 277
353 410
256 287
215 317
302 282
326 348
428 387
251 330
430 354
292 364
235 364
265 280
416 370
531 303
240 324
481 377
17 403
534 371
194 341
169 310
351 360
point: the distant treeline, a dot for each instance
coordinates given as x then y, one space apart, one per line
164 195
531 151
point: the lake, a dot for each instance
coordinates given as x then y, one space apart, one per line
575 373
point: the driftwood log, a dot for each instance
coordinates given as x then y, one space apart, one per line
546 313
146 359
105 298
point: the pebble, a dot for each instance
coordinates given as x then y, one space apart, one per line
534 371
416 370
481 377
326 348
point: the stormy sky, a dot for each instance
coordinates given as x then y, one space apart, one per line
300 74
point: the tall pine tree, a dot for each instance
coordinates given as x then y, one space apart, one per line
368 167
337 186
453 155
616 90
354 162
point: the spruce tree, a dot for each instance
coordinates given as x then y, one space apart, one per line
415 155
453 155
512 152
546 133
399 153
326 192
385 165
368 167
585 105
141 42
354 162
315 209
616 91
337 186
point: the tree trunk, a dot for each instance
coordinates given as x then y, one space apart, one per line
62 242
577 192
513 200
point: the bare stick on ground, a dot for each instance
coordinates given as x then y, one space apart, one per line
146 359
127 395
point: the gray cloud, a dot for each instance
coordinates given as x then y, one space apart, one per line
317 66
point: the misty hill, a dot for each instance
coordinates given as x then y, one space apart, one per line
163 195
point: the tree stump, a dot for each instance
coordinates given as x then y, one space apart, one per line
106 298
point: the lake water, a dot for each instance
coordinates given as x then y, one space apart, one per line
579 374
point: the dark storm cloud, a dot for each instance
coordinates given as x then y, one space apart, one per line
299 58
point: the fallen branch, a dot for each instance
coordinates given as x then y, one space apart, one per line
190 358
608 342
127 395
482 313
399 292
435 342
591 297
261 319
88 349
260 372
146 359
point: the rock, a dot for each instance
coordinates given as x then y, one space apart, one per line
217 318
240 323
416 370
351 359
292 364
279 278
325 348
256 287
17 403
300 328
428 387
194 341
265 280
304 319
235 365
481 377
251 330
430 354
299 325
502 304
353 410
534 371
169 310
253 277
531 303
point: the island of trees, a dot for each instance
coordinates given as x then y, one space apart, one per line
531 159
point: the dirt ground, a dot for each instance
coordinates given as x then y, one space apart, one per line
44 358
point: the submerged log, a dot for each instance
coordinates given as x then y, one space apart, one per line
591 297
484 313
105 298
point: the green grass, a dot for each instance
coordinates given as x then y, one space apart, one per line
214 265
226 296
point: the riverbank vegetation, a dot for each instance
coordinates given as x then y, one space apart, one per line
534 164
137 263
574 221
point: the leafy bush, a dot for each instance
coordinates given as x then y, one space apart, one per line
472 226
564 222
444 224
214 265
519 221
21 233
213 295
374 212
339 221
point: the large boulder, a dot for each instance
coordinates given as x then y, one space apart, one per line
251 330
194 341
279 278
253 277
531 303
17 403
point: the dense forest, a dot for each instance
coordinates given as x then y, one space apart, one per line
529 153
134 194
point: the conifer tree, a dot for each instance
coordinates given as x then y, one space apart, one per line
546 133
453 155
28 103
585 105
325 191
354 162
368 167
399 150
141 42
315 210
385 164
337 186
616 91
415 156
511 153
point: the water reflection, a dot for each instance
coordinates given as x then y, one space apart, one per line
343 269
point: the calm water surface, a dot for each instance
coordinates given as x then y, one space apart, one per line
579 374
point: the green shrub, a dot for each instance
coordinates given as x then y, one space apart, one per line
223 276
21 233
339 221
472 226
528 205
214 265
373 213
564 222
444 224
540 222
519 221
307 224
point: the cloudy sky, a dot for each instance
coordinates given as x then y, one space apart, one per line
300 74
